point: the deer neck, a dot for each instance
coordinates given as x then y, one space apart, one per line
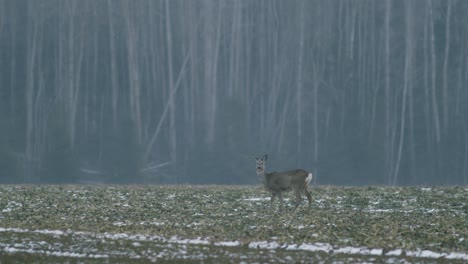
261 172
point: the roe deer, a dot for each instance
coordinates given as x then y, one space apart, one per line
278 182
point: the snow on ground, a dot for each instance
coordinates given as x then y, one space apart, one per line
256 199
12 250
12 205
227 243
137 239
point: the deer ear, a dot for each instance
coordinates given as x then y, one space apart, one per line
256 158
265 157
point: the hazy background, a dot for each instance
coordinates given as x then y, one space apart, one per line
146 91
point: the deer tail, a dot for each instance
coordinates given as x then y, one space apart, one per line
308 179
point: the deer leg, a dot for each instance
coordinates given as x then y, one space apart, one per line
298 197
298 200
280 195
309 197
272 199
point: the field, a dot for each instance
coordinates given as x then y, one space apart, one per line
214 224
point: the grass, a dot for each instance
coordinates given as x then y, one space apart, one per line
186 223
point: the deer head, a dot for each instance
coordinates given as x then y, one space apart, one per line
261 164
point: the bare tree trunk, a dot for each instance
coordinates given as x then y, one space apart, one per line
70 69
13 63
134 75
29 96
300 83
113 64
211 53
236 47
40 117
427 86
193 85
445 100
388 102
407 83
75 81
435 106
172 128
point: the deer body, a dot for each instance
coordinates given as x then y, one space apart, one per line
279 182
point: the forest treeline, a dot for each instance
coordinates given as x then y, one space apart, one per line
176 91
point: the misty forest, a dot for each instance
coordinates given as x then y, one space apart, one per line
359 92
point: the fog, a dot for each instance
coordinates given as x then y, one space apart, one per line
359 92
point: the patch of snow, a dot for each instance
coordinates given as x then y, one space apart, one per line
381 210
119 224
194 224
12 205
116 236
291 247
376 251
53 253
324 247
425 254
14 230
264 245
227 243
50 232
256 199
153 223
457 255
395 252
196 241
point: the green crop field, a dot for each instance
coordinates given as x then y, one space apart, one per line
215 224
